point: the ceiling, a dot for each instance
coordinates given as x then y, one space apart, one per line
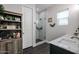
41 7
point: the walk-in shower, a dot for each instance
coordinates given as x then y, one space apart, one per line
40 26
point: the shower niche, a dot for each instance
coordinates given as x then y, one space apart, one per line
40 26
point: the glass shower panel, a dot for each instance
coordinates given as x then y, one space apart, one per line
40 27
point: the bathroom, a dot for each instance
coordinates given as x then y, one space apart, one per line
46 23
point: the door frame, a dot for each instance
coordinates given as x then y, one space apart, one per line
32 26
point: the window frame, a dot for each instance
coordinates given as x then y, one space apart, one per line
63 17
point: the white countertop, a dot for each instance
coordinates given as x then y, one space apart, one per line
67 43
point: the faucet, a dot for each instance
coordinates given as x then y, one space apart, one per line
75 36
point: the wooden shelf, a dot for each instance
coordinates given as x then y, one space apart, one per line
10 29
8 40
10 21
12 13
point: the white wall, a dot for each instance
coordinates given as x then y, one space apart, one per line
57 31
13 7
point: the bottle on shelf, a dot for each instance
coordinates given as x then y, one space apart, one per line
18 35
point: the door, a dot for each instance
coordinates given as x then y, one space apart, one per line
27 27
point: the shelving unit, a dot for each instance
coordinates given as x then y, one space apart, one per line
9 21
10 33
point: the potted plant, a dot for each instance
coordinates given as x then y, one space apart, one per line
1 12
13 17
7 17
1 9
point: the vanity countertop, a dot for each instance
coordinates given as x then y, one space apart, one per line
67 43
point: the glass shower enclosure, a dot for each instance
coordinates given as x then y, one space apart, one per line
40 27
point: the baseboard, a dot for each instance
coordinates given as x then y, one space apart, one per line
40 42
47 41
36 44
27 48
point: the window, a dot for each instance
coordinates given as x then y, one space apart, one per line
62 17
